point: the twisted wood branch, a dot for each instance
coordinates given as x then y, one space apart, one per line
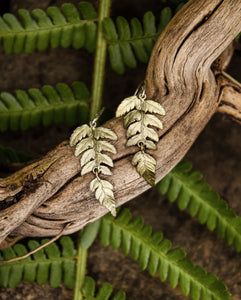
39 199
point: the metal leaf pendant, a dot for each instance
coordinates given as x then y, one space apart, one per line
139 122
145 165
87 139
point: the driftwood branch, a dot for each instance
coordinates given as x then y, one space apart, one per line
230 99
39 199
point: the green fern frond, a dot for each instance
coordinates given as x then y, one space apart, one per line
51 263
104 292
9 155
190 192
154 254
47 106
128 42
55 27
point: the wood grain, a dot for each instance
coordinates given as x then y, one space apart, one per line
39 199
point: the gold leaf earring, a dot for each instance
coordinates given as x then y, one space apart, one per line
89 139
138 116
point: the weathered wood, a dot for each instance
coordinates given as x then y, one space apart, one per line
230 99
50 193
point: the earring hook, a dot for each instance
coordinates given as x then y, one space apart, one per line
93 123
141 91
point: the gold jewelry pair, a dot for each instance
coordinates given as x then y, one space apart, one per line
138 117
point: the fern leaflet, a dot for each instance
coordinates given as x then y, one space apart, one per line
49 105
88 234
190 192
87 140
51 263
55 27
154 254
104 292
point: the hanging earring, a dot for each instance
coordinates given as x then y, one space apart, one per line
88 139
138 116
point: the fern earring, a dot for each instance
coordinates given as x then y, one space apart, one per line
87 139
138 116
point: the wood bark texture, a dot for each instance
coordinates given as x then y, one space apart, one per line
41 198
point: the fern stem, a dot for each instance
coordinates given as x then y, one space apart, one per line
80 272
100 60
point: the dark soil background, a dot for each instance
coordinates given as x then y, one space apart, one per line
216 153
